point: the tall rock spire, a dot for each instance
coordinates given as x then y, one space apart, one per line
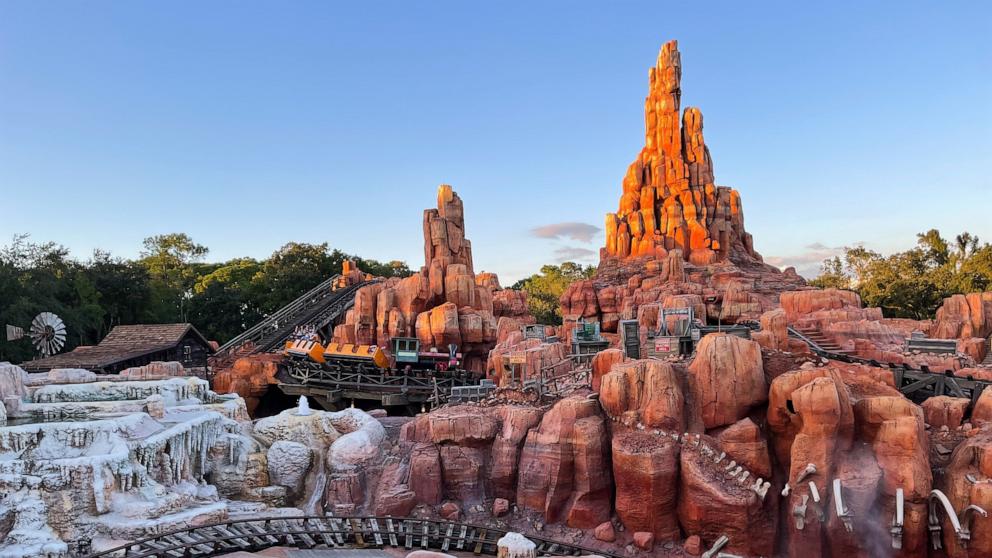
669 198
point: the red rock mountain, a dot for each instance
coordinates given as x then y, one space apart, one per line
677 239
445 302
670 200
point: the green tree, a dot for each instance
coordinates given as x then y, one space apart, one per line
545 288
913 283
832 275
225 301
170 259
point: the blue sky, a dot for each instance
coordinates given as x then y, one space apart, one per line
251 124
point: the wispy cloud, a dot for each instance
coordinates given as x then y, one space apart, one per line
582 232
574 253
809 261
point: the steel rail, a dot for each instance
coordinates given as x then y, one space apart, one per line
255 534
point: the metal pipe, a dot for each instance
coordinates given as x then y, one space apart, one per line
934 521
897 521
717 546
843 513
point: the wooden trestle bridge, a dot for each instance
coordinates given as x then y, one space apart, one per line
917 384
319 532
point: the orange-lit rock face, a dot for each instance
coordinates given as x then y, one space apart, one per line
964 316
444 303
644 391
249 377
669 197
727 378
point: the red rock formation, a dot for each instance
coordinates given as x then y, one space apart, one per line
537 354
444 303
646 469
249 377
505 457
710 506
963 316
972 458
644 391
726 378
602 364
675 233
669 197
945 411
744 443
563 465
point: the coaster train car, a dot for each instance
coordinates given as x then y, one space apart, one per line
407 357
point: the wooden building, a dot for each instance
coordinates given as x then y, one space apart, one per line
134 345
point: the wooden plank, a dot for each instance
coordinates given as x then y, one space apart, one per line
953 387
375 531
259 530
409 535
392 532
356 530
478 545
461 538
318 527
338 528
447 537
240 539
918 385
425 538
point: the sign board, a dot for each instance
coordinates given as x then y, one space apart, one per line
695 335
518 358
665 344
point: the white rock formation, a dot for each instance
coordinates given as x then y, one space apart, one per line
288 464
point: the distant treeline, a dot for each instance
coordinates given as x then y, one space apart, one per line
914 283
169 282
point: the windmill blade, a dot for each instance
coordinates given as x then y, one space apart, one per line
14 333
48 333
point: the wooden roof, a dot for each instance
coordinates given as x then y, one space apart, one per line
124 342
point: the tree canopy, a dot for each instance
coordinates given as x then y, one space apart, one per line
545 288
169 282
912 284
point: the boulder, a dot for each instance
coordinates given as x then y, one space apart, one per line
501 507
288 464
727 378
451 511
649 391
563 470
945 411
602 363
605 532
744 443
644 540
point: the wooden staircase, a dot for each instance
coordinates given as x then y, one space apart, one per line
988 353
822 341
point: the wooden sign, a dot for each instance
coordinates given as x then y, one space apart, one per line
518 358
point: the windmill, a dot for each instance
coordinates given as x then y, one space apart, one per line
47 333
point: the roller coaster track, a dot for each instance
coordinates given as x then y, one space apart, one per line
334 383
916 383
317 307
308 532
